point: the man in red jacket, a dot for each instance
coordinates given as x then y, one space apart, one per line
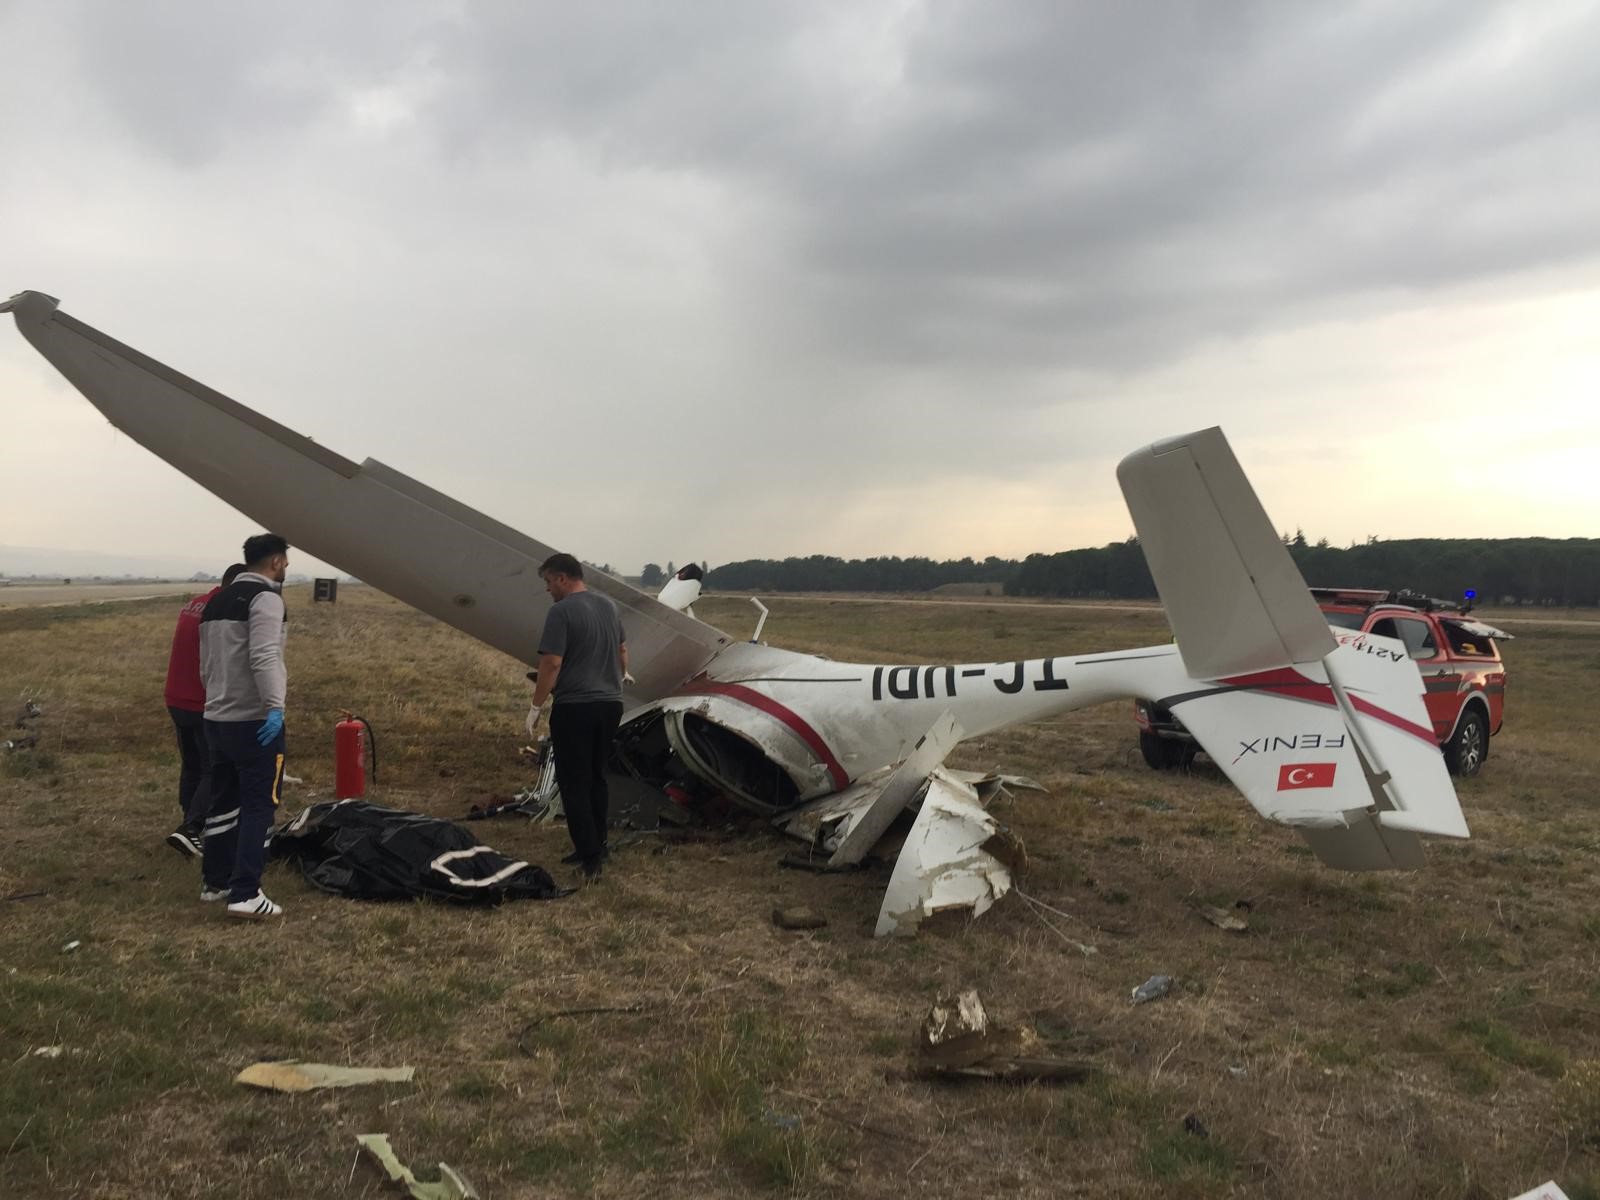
186 701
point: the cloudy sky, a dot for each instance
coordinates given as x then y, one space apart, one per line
725 278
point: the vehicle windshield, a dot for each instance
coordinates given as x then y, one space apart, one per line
1344 620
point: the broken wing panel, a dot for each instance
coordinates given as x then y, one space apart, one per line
957 856
387 529
898 791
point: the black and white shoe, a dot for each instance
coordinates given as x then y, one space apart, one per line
257 908
186 842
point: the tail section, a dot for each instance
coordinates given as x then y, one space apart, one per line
1340 750
1234 597
1328 736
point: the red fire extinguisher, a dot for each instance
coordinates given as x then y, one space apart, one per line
351 738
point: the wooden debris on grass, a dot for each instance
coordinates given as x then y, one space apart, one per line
957 1040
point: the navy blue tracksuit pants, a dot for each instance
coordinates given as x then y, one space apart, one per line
194 773
245 777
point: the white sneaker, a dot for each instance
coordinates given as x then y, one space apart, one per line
210 895
257 908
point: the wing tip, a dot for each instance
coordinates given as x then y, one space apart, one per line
36 306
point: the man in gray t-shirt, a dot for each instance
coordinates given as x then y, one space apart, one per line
583 663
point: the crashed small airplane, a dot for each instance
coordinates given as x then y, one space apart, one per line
833 752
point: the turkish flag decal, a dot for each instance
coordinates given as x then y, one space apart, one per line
1305 775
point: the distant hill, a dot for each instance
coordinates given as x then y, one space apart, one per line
50 561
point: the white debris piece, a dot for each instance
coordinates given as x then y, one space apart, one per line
1545 1191
898 791
957 856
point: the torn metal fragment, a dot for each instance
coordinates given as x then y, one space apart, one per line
898 791
1223 919
292 1076
956 857
1153 988
992 785
825 821
452 1184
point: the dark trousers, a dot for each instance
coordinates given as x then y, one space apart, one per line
194 770
245 777
580 735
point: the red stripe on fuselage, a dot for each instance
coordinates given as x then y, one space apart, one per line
746 695
1285 681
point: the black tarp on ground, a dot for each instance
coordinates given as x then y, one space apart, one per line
369 852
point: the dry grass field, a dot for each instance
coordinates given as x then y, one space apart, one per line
1434 1034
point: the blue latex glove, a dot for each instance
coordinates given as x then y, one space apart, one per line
271 727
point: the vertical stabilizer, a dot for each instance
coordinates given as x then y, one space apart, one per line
1233 596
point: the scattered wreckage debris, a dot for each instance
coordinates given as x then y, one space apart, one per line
452 1185
291 1075
1549 1190
1153 988
46 1052
25 741
1039 908
367 852
71 946
798 916
958 1040
1236 921
957 857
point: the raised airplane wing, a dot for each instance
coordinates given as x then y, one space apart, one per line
385 528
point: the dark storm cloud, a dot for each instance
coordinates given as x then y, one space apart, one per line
1105 185
1047 184
1071 185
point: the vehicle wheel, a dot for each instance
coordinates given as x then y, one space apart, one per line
1163 754
1468 746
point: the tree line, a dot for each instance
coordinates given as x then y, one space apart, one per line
1541 571
824 573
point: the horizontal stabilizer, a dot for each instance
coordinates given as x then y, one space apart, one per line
1362 845
1234 598
1341 750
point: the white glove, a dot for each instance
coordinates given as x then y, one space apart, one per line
628 680
535 716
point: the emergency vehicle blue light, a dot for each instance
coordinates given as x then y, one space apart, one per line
1472 594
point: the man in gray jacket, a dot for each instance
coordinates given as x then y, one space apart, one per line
242 631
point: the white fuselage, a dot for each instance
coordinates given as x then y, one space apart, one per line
828 723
